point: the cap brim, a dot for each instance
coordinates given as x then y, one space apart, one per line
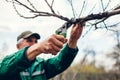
33 34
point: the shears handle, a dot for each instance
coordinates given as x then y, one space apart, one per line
63 29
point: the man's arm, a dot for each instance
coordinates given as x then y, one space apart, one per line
61 62
75 35
23 59
14 63
55 43
52 45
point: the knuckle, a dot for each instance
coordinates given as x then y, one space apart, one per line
48 48
51 39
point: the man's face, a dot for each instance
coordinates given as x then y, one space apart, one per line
27 42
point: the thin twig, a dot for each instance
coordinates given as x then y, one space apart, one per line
107 4
32 5
24 6
82 8
73 10
102 5
50 7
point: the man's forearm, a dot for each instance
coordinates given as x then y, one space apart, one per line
32 52
72 43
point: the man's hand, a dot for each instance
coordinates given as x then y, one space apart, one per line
52 45
75 34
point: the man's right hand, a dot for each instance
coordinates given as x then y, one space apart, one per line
52 45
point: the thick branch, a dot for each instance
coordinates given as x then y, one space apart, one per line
98 16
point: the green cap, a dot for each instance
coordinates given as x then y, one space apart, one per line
27 34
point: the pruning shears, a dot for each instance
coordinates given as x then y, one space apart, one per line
63 29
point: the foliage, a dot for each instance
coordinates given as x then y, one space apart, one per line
91 68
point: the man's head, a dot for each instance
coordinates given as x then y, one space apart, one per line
27 38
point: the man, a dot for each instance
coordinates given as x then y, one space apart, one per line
24 64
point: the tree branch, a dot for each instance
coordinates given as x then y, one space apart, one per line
103 15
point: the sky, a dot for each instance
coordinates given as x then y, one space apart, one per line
11 25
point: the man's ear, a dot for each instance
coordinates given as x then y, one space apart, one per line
18 46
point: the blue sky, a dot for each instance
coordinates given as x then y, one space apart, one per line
11 25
